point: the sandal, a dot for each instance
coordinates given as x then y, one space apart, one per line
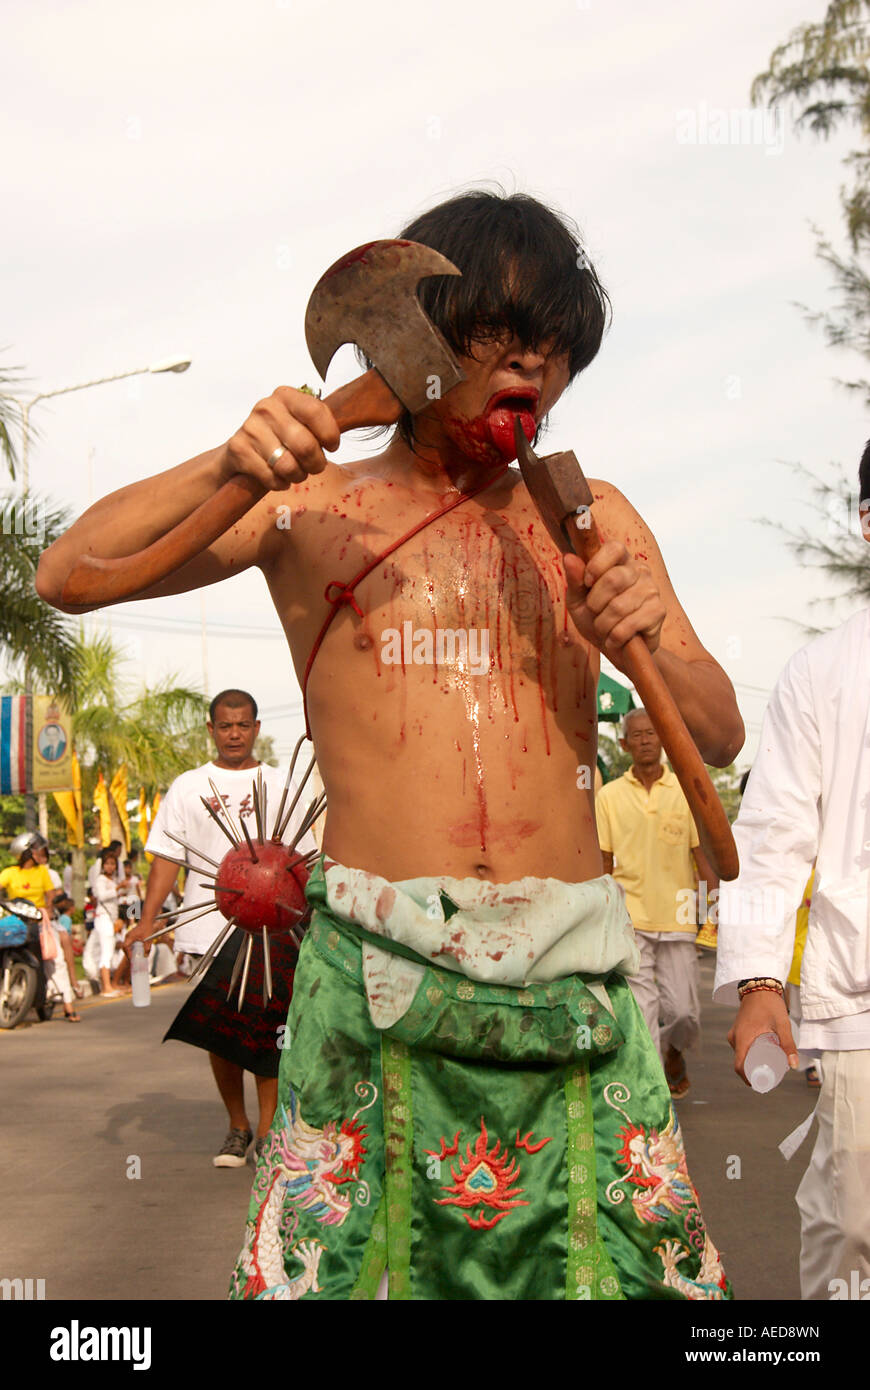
678 1084
73 1018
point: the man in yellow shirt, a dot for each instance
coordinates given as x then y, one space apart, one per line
650 845
27 879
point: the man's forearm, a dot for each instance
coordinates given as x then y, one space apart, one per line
705 698
161 880
130 519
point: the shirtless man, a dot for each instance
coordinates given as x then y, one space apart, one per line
431 769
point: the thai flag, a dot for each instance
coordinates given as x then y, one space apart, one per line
14 743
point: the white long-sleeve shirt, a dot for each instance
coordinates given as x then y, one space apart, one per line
808 798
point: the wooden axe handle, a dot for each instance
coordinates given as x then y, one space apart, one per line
366 401
714 830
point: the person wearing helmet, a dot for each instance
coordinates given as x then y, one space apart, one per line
29 879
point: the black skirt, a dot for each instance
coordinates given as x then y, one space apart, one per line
253 1038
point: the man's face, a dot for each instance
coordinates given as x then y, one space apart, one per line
502 379
234 732
642 742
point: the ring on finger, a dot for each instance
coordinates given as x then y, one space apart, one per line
275 455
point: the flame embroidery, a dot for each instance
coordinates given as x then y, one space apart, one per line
483 1181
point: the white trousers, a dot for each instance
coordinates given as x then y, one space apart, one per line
834 1195
666 988
57 971
104 931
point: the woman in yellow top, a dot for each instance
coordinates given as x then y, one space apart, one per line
28 879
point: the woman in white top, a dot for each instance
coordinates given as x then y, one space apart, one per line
107 914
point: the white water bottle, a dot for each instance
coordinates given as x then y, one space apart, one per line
766 1063
140 977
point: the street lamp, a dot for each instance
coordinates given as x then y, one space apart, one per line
167 364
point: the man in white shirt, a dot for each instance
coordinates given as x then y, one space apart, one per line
808 798
235 1042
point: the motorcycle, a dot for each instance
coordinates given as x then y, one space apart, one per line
23 984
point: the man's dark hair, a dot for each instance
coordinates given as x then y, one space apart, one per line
235 699
864 475
524 272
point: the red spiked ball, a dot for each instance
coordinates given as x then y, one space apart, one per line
268 892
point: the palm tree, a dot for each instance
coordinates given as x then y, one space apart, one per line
822 69
10 417
158 731
35 640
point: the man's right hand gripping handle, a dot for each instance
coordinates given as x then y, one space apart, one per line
280 443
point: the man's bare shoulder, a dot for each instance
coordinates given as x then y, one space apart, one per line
618 520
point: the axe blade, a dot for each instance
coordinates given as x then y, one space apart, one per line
557 485
369 297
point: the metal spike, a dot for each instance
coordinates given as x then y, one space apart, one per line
309 818
295 755
288 780
206 960
315 806
214 887
297 939
162 932
243 986
250 843
237 965
191 849
224 811
267 968
292 807
258 804
217 820
182 863
186 914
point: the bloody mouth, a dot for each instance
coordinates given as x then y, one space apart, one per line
499 415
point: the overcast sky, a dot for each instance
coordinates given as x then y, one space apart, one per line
178 177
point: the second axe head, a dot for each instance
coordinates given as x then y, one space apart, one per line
558 487
369 297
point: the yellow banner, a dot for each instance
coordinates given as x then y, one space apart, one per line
154 804
118 793
52 745
70 804
101 801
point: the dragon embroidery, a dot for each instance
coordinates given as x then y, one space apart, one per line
302 1170
661 1189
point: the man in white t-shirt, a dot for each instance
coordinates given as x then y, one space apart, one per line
235 1042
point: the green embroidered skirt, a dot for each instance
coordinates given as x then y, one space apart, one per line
494 1142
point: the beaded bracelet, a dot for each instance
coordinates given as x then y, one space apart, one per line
765 982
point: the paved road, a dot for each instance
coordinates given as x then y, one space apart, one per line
78 1101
